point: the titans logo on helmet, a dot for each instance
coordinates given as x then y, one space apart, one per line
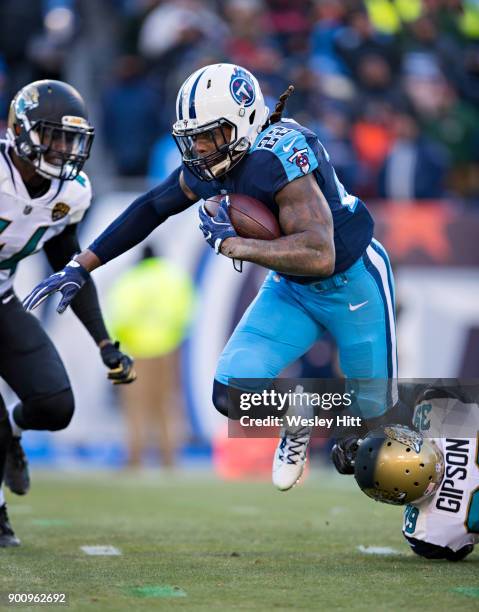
242 88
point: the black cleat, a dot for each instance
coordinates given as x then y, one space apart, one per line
7 536
17 476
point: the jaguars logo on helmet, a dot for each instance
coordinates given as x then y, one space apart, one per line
26 100
396 465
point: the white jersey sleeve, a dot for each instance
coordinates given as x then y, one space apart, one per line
79 195
26 223
450 518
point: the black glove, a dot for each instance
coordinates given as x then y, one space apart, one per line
348 439
343 454
121 366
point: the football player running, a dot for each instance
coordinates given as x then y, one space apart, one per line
43 196
434 470
327 271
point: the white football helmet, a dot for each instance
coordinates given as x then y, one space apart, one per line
218 96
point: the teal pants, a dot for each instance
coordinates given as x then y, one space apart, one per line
286 319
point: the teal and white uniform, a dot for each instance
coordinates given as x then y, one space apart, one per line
450 518
27 223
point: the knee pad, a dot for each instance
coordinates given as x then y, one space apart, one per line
239 363
5 436
5 432
226 400
52 412
232 402
220 397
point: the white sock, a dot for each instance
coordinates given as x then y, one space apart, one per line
16 430
2 497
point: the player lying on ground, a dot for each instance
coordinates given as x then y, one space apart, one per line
43 196
435 472
329 272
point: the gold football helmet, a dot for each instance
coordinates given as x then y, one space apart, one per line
396 465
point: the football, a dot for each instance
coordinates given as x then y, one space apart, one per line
250 217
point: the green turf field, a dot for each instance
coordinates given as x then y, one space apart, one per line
191 542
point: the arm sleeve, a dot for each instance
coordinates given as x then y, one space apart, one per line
59 250
141 218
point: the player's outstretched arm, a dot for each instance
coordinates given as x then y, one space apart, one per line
59 250
307 248
130 228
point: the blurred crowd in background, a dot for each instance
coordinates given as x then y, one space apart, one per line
390 86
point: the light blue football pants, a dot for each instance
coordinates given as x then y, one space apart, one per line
286 319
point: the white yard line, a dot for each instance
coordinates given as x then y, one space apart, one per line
378 550
101 551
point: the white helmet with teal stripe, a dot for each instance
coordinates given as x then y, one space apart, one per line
212 98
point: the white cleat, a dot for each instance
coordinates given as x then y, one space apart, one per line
290 457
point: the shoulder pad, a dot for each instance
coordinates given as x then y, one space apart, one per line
5 167
82 179
290 147
77 195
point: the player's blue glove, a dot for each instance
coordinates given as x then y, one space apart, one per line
68 281
121 366
218 228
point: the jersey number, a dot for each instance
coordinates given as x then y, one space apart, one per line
347 200
271 138
421 419
25 251
410 518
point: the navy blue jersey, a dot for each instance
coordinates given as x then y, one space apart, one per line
280 154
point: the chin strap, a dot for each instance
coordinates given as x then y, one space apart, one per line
238 265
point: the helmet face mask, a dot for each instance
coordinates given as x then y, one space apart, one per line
48 128
396 465
59 151
226 153
211 99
